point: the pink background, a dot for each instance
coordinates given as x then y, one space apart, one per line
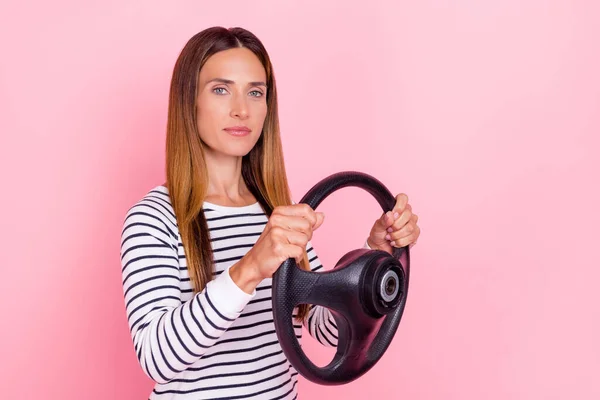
486 113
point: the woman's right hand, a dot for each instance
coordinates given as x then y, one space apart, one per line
286 235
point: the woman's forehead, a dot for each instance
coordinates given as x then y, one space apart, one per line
238 65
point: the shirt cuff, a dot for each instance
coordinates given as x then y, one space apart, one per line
228 297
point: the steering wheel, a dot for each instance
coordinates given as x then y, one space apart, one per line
365 292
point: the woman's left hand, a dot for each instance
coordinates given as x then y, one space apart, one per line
396 228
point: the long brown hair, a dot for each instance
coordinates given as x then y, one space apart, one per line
263 167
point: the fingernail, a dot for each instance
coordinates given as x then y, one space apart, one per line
396 215
389 229
387 237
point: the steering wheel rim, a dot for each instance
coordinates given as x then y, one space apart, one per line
363 337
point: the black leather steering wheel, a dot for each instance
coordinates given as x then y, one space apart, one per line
365 292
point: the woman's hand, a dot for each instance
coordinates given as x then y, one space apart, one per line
286 235
396 228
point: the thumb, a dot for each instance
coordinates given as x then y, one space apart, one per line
320 219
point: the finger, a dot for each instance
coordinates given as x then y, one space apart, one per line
300 210
292 223
295 252
411 237
401 202
405 231
386 220
284 236
402 220
291 251
396 212
404 241
302 224
409 229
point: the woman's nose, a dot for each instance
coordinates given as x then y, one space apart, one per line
239 107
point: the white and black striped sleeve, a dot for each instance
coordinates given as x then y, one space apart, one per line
169 335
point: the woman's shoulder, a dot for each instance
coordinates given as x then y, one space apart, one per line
157 197
155 208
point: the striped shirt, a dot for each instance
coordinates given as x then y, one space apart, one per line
221 342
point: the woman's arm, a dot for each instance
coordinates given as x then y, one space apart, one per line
169 335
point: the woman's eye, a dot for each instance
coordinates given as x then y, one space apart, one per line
254 93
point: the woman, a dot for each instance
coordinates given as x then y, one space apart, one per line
198 252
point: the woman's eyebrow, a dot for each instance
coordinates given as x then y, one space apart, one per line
228 81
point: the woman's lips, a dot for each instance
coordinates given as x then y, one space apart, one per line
237 131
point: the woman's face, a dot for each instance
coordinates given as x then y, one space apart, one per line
232 93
